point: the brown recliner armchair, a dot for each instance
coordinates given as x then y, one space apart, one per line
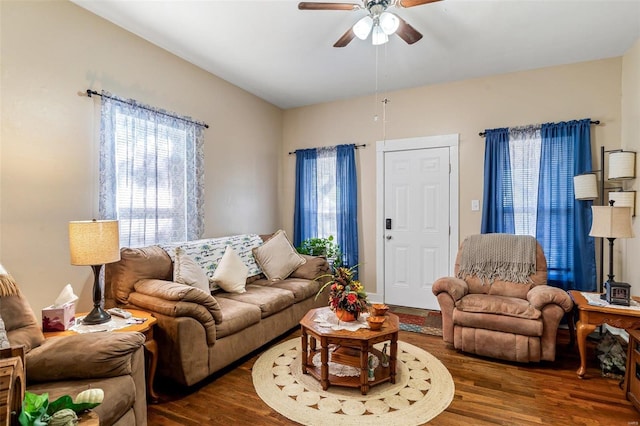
113 362
485 314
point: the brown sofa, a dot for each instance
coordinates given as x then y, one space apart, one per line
506 320
199 333
113 362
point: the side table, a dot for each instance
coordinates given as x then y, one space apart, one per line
150 345
591 316
12 384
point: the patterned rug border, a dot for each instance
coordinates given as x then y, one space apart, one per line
419 320
424 388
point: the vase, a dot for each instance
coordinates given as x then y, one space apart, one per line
345 316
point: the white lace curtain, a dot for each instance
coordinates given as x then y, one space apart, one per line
151 173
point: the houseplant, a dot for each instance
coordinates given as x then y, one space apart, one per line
347 297
326 247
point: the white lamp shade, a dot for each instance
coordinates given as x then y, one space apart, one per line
378 36
585 186
611 222
94 242
389 23
624 199
622 165
362 28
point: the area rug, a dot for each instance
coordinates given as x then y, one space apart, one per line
424 388
419 320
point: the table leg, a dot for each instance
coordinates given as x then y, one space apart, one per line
393 356
324 368
152 347
584 329
364 367
304 342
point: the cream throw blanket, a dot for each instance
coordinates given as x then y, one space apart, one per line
504 257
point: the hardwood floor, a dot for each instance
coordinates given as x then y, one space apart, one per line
487 392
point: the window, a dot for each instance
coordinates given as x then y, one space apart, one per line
326 198
528 190
150 173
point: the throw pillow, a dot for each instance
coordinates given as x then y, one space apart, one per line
187 271
277 257
231 273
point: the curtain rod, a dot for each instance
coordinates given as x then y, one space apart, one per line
596 122
93 92
356 147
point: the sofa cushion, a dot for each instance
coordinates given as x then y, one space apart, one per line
231 273
301 289
277 257
237 316
20 322
501 305
314 267
269 299
187 271
135 264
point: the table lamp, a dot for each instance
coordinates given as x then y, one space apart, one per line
94 243
613 222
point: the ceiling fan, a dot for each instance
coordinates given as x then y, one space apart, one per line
379 22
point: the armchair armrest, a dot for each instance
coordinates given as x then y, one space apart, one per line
542 295
83 356
456 288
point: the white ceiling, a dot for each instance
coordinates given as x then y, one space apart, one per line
285 55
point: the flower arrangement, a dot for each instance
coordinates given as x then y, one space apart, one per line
345 293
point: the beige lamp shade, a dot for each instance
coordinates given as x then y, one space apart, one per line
611 222
585 186
622 165
94 242
624 199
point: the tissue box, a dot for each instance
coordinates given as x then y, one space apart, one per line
59 318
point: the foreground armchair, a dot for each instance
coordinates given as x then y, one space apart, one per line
498 304
113 362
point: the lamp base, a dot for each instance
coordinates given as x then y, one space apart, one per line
96 316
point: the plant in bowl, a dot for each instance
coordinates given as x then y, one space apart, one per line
347 297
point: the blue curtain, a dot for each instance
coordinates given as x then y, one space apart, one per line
497 201
563 222
347 203
305 220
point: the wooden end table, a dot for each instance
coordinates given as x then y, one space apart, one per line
150 345
361 340
591 316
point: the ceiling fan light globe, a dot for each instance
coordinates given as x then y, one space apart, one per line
362 28
389 23
378 36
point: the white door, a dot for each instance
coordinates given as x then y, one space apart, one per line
416 235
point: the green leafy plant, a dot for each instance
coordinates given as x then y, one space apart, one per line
322 247
37 411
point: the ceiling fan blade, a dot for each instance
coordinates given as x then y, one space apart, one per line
345 39
411 3
307 5
407 32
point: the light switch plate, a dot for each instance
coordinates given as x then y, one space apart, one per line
475 205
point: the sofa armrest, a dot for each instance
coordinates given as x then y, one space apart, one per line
170 291
456 288
83 356
542 295
314 267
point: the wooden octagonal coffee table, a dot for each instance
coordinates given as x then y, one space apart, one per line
359 343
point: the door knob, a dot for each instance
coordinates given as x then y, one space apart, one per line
388 237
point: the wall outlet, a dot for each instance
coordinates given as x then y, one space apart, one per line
475 205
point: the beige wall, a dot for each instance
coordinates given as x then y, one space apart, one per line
52 52
590 89
631 141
